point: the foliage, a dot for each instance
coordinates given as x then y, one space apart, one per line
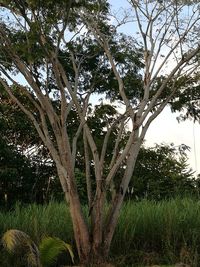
50 248
17 242
23 178
157 232
16 173
148 232
162 172
27 172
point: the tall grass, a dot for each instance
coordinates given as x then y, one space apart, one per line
152 232
148 232
38 221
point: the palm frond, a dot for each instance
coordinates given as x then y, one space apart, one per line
33 256
18 242
50 248
14 240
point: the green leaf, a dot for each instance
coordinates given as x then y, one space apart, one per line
50 248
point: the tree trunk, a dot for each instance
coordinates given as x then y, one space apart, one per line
93 246
97 227
81 232
89 246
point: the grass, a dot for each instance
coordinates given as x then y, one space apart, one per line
165 232
148 233
38 221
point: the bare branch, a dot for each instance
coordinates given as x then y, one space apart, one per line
106 138
87 170
117 142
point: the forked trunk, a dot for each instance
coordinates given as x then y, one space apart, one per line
90 246
93 246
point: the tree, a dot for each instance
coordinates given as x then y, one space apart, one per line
162 172
26 171
67 51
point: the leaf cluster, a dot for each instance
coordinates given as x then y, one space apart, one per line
162 172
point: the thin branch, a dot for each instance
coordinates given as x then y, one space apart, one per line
42 132
117 142
120 159
106 138
87 170
170 76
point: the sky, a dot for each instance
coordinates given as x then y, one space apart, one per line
166 128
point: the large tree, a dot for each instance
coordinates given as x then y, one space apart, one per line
57 54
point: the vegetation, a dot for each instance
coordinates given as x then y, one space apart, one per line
56 55
160 172
19 244
148 232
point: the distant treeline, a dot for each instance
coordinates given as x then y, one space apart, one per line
161 172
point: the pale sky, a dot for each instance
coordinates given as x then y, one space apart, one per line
165 128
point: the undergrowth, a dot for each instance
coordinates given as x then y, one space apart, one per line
148 232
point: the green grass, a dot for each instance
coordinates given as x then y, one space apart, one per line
37 221
166 231
147 233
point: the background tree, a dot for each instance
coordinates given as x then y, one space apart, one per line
27 172
162 172
51 46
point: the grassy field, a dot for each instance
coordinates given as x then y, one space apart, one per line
148 233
